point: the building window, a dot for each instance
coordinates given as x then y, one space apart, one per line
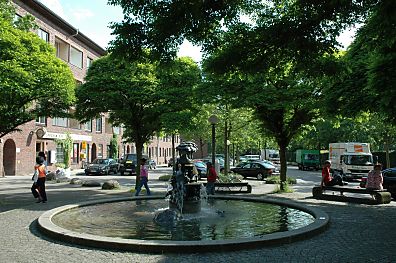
100 151
62 49
117 130
74 124
99 124
41 120
44 35
89 62
75 157
59 122
76 57
59 154
87 126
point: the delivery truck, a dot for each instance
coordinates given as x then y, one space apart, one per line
270 155
351 159
308 159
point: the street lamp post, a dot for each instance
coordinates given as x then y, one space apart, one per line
213 120
227 157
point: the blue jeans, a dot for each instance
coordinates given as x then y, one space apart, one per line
143 181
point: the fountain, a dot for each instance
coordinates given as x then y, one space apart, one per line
186 221
185 193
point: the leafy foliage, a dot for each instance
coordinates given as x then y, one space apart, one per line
114 147
67 146
367 79
137 95
33 81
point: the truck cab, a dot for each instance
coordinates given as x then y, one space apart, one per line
356 165
308 159
351 160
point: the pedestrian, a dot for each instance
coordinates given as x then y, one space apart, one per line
38 187
143 177
327 179
375 178
211 179
42 154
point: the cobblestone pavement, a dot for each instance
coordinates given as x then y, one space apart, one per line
357 233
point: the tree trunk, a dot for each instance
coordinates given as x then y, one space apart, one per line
139 148
173 154
387 151
226 162
282 153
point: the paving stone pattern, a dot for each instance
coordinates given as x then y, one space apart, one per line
357 233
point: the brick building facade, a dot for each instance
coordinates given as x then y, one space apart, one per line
18 150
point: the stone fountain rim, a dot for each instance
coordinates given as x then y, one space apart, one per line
320 224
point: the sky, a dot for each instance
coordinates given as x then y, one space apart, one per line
92 18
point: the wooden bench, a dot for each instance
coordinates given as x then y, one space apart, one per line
232 187
378 196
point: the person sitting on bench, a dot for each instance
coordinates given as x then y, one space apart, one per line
327 179
375 178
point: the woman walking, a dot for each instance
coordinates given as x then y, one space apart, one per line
38 187
143 177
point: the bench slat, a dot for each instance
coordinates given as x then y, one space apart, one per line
380 196
352 190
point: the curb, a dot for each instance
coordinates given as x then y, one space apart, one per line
48 228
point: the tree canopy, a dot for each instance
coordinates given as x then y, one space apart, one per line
367 77
136 94
33 81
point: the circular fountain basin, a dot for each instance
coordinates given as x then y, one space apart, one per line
224 223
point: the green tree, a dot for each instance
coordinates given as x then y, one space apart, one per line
367 77
279 55
114 147
314 23
136 95
67 146
33 81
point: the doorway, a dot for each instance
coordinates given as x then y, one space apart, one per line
9 157
93 152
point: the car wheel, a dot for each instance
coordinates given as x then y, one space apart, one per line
260 176
86 173
122 173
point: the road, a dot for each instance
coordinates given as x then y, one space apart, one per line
357 233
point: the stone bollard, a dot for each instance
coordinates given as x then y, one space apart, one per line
111 185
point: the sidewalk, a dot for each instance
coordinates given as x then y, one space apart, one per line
357 233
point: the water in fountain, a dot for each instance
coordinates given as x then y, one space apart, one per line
217 220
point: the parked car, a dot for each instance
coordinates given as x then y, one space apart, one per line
258 169
129 162
276 170
389 181
102 166
201 168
